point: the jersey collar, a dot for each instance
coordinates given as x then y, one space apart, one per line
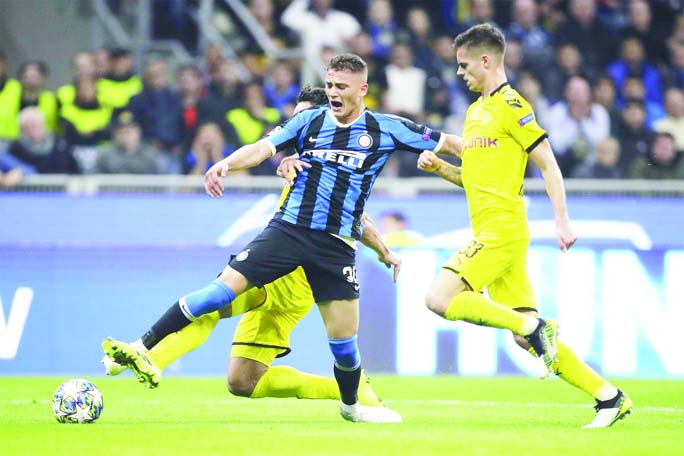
339 124
499 88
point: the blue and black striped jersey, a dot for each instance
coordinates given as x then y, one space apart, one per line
345 161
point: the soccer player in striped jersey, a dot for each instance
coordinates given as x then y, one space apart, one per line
500 133
319 223
269 315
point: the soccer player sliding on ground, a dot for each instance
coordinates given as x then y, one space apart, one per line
269 316
499 133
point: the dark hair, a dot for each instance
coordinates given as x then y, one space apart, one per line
348 62
314 95
40 66
483 35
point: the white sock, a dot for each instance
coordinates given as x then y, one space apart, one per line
138 345
530 325
606 392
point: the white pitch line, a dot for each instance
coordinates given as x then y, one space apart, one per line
428 402
451 403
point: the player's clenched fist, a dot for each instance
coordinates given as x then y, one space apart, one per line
212 179
428 161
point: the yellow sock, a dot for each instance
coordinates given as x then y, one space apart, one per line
578 373
175 345
286 381
476 308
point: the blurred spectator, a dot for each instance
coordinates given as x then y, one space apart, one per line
85 121
634 90
127 154
103 62
281 88
530 88
587 32
319 25
39 148
605 165
632 63
82 67
12 170
405 83
576 125
604 93
33 76
10 95
190 90
535 41
568 63
222 96
662 162
651 34
419 36
673 122
117 88
256 118
207 149
444 69
158 111
210 65
672 75
253 121
362 46
513 61
381 27
632 132
254 57
395 231
481 12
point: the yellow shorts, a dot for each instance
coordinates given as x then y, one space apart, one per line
263 333
499 266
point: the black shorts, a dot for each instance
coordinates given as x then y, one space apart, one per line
329 262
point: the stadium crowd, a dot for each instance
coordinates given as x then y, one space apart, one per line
605 77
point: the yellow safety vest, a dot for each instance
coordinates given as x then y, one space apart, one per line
47 103
116 94
249 129
10 99
87 120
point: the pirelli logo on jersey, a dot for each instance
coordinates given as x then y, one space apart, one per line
481 142
349 158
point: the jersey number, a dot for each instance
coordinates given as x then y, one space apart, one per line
471 249
349 273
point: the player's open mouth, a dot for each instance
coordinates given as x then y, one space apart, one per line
336 105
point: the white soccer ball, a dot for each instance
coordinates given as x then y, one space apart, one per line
77 401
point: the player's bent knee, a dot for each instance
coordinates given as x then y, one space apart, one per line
434 302
241 385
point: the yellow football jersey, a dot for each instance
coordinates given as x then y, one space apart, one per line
497 135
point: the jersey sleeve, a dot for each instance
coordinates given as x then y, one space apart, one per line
286 135
522 123
413 137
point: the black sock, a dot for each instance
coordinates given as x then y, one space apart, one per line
348 381
173 320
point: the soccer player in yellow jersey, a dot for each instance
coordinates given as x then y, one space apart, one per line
269 315
499 134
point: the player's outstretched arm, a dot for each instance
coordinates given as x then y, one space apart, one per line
452 145
290 167
247 156
371 238
542 156
431 163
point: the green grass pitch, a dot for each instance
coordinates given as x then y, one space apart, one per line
442 415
